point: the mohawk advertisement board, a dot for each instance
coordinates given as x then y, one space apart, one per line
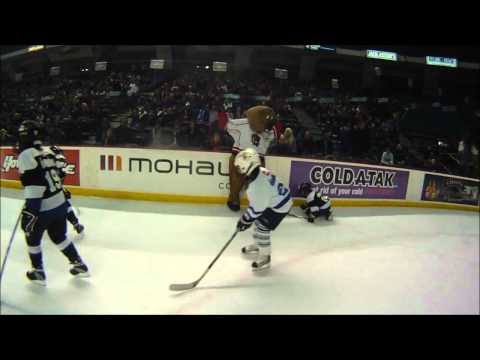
159 171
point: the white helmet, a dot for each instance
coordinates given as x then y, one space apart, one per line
246 161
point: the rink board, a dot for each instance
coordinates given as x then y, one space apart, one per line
202 177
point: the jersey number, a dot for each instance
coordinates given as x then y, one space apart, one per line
53 180
280 188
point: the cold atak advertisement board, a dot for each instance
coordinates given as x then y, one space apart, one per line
349 181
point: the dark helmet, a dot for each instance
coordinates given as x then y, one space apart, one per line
56 150
304 189
29 134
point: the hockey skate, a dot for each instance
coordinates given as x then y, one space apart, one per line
79 269
79 228
37 276
233 206
262 263
329 216
250 250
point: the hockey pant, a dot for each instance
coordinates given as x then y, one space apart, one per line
267 222
55 223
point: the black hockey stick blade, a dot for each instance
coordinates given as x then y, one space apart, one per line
182 287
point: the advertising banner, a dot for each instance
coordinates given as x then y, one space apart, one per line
163 171
450 190
9 171
349 181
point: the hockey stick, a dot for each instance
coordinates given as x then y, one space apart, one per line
188 286
10 245
297 216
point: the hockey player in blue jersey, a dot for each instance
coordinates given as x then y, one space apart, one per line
316 205
61 163
45 206
269 202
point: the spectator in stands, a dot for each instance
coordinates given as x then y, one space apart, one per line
281 147
345 138
387 157
66 106
468 155
307 145
222 118
6 138
132 89
218 142
215 142
400 154
290 140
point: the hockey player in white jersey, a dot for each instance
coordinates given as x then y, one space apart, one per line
269 202
45 204
316 205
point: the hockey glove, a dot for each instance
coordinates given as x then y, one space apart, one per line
67 193
29 219
243 225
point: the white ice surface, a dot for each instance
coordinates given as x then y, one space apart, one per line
367 261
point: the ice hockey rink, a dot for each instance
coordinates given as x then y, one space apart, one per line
367 261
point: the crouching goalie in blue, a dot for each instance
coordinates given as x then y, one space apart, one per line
316 205
45 206
269 203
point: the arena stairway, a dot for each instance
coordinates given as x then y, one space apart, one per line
306 121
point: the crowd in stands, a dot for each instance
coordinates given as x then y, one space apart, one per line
191 110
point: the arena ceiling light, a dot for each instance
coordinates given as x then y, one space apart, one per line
54 70
100 66
35 48
320 47
441 61
219 66
281 73
382 55
157 64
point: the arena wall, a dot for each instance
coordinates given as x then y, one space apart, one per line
202 177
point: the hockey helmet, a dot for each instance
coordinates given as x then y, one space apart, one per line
29 134
246 161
